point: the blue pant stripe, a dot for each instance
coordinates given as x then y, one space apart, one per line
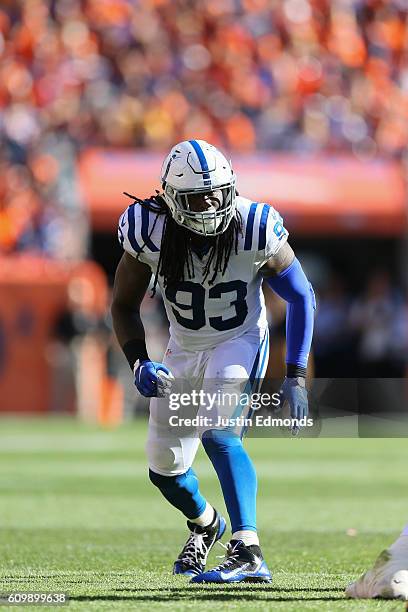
258 378
260 357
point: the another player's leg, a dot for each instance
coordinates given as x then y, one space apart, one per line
240 359
389 576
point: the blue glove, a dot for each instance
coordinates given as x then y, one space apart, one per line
294 392
147 378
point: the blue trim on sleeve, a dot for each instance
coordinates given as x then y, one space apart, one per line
262 227
250 227
145 230
131 229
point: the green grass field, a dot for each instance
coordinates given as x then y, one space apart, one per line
78 515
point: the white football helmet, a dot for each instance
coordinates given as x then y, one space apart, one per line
195 167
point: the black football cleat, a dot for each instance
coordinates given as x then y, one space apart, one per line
192 559
242 564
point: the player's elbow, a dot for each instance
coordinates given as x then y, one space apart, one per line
293 286
303 294
121 310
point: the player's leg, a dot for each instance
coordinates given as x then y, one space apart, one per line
170 460
389 576
239 364
171 452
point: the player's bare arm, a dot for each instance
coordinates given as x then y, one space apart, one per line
279 262
131 282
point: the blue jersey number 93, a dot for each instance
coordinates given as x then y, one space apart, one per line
196 306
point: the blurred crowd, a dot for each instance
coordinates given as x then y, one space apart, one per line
297 75
244 74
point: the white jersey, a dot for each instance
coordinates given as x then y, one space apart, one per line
201 315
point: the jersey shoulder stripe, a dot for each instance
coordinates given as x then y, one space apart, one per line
131 229
139 230
250 226
262 227
122 223
251 223
145 230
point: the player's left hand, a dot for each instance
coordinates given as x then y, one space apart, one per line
294 391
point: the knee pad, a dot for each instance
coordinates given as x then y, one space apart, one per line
171 457
162 459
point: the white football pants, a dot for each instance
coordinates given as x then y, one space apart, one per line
235 365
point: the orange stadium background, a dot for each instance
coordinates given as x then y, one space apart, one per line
33 294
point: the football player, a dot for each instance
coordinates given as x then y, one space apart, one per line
388 578
209 250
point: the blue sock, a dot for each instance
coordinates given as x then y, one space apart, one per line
181 491
237 477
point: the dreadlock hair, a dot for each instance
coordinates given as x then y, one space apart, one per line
176 256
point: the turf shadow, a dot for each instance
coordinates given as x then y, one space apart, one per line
253 588
202 596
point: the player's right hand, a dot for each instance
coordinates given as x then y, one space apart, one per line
152 378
